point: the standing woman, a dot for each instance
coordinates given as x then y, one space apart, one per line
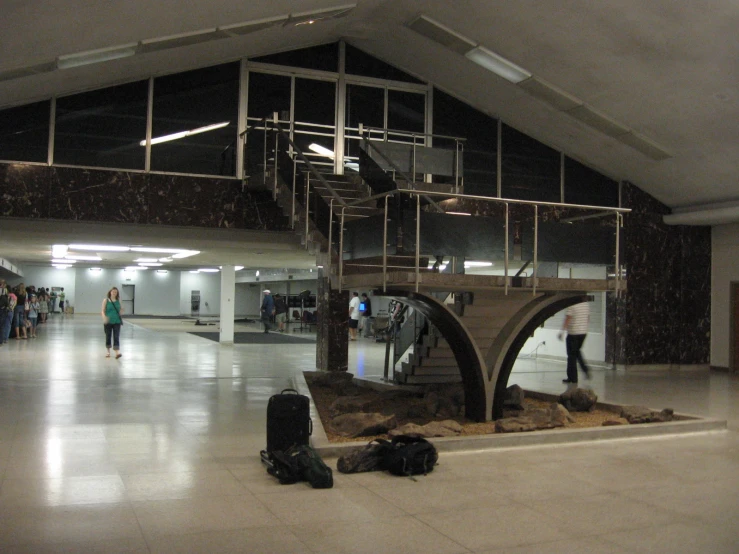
19 314
111 312
43 301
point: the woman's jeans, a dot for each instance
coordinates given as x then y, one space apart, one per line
6 321
115 330
19 317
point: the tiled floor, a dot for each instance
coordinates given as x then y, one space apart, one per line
158 452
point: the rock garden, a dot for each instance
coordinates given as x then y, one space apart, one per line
353 413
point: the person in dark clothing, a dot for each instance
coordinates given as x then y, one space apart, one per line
268 310
366 313
280 312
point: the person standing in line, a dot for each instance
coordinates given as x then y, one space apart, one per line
576 322
268 309
33 310
6 312
43 301
353 316
112 321
12 303
62 296
53 300
365 322
19 314
280 312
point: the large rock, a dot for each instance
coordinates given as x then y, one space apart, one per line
514 396
640 414
328 378
515 425
560 415
578 400
362 424
352 404
446 428
555 415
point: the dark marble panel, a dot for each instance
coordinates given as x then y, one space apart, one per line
262 212
640 202
615 329
652 253
24 190
195 201
332 349
695 328
696 257
97 195
650 328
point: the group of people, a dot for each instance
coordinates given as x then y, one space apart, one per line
360 312
23 309
273 310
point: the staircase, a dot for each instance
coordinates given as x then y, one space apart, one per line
433 360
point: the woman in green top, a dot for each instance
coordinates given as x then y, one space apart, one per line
112 321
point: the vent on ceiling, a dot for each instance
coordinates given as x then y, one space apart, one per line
550 94
177 41
645 146
241 29
440 33
597 120
19 72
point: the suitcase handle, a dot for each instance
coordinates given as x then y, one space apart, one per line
289 390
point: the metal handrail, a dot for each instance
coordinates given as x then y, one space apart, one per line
506 201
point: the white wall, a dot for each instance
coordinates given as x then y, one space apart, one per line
724 271
209 285
155 293
48 277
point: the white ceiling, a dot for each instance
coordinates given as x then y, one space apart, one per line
669 70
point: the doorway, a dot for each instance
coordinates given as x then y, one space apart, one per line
128 295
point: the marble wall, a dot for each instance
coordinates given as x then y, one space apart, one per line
665 315
39 191
332 350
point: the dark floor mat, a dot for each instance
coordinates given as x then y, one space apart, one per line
260 338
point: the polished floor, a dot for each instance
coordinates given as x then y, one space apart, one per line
158 452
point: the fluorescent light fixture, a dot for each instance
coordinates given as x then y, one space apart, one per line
238 268
183 134
442 34
541 89
352 165
146 260
82 258
62 261
162 271
96 56
239 29
134 268
59 250
177 41
318 149
497 64
458 213
20 72
96 269
99 247
156 250
257 273
597 120
185 254
151 264
194 271
61 266
209 270
165 259
313 16
478 264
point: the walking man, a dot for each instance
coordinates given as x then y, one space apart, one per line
576 322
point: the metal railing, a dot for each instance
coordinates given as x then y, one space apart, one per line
417 194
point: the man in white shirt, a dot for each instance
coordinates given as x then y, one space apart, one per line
353 316
576 322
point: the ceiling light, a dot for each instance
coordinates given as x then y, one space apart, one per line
458 213
442 34
194 271
83 258
134 268
185 254
177 41
497 64
257 273
239 29
156 250
478 264
311 17
183 134
146 260
63 261
238 268
99 247
96 56
318 149
151 264
162 271
61 266
165 259
96 269
209 270
59 250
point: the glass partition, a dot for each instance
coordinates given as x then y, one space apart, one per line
530 169
24 133
195 121
103 128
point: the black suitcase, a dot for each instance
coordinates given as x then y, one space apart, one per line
288 420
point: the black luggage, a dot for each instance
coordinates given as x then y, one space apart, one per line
288 421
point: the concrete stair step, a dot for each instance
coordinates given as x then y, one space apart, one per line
410 369
406 379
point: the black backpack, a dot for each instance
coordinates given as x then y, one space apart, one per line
4 302
298 463
368 458
407 455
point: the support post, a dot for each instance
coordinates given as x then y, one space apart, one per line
228 295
